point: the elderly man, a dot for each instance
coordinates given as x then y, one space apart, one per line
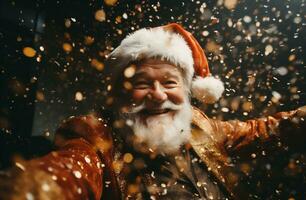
160 146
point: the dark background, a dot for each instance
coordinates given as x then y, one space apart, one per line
257 47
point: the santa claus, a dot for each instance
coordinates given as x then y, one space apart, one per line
157 146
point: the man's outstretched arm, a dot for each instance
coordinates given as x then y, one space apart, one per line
234 134
75 171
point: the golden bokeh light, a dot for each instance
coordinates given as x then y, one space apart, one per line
100 15
67 47
97 64
110 2
29 52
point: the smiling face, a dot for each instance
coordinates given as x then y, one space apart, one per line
159 114
156 82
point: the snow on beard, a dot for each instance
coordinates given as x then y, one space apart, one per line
161 134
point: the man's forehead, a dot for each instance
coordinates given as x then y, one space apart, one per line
157 65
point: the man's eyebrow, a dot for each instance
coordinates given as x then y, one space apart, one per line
171 75
141 74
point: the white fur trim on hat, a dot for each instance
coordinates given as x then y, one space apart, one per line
208 89
156 42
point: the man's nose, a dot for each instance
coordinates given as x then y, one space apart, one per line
157 93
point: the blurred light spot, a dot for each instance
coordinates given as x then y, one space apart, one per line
100 15
29 52
125 16
262 98
77 174
230 4
127 158
291 57
17 86
110 2
224 109
297 20
67 47
45 187
87 159
229 22
67 23
88 40
118 123
29 196
247 106
133 188
117 165
247 19
118 19
268 50
109 100
235 104
205 33
127 85
129 72
19 39
245 168
212 46
97 64
78 96
20 166
275 97
282 71
40 96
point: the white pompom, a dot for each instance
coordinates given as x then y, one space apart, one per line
208 89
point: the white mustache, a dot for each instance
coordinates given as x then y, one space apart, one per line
166 105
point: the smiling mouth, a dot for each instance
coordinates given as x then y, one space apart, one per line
155 111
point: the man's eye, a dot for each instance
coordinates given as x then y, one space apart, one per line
141 85
170 84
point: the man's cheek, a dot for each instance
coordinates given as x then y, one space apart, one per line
177 97
138 96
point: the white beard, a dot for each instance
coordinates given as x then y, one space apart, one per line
161 134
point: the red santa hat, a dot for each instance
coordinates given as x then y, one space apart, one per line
176 45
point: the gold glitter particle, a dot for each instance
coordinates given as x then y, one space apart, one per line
212 46
129 72
40 96
88 40
67 47
118 19
127 85
117 166
291 57
247 106
110 2
100 15
29 52
78 96
128 158
97 64
133 188
230 4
